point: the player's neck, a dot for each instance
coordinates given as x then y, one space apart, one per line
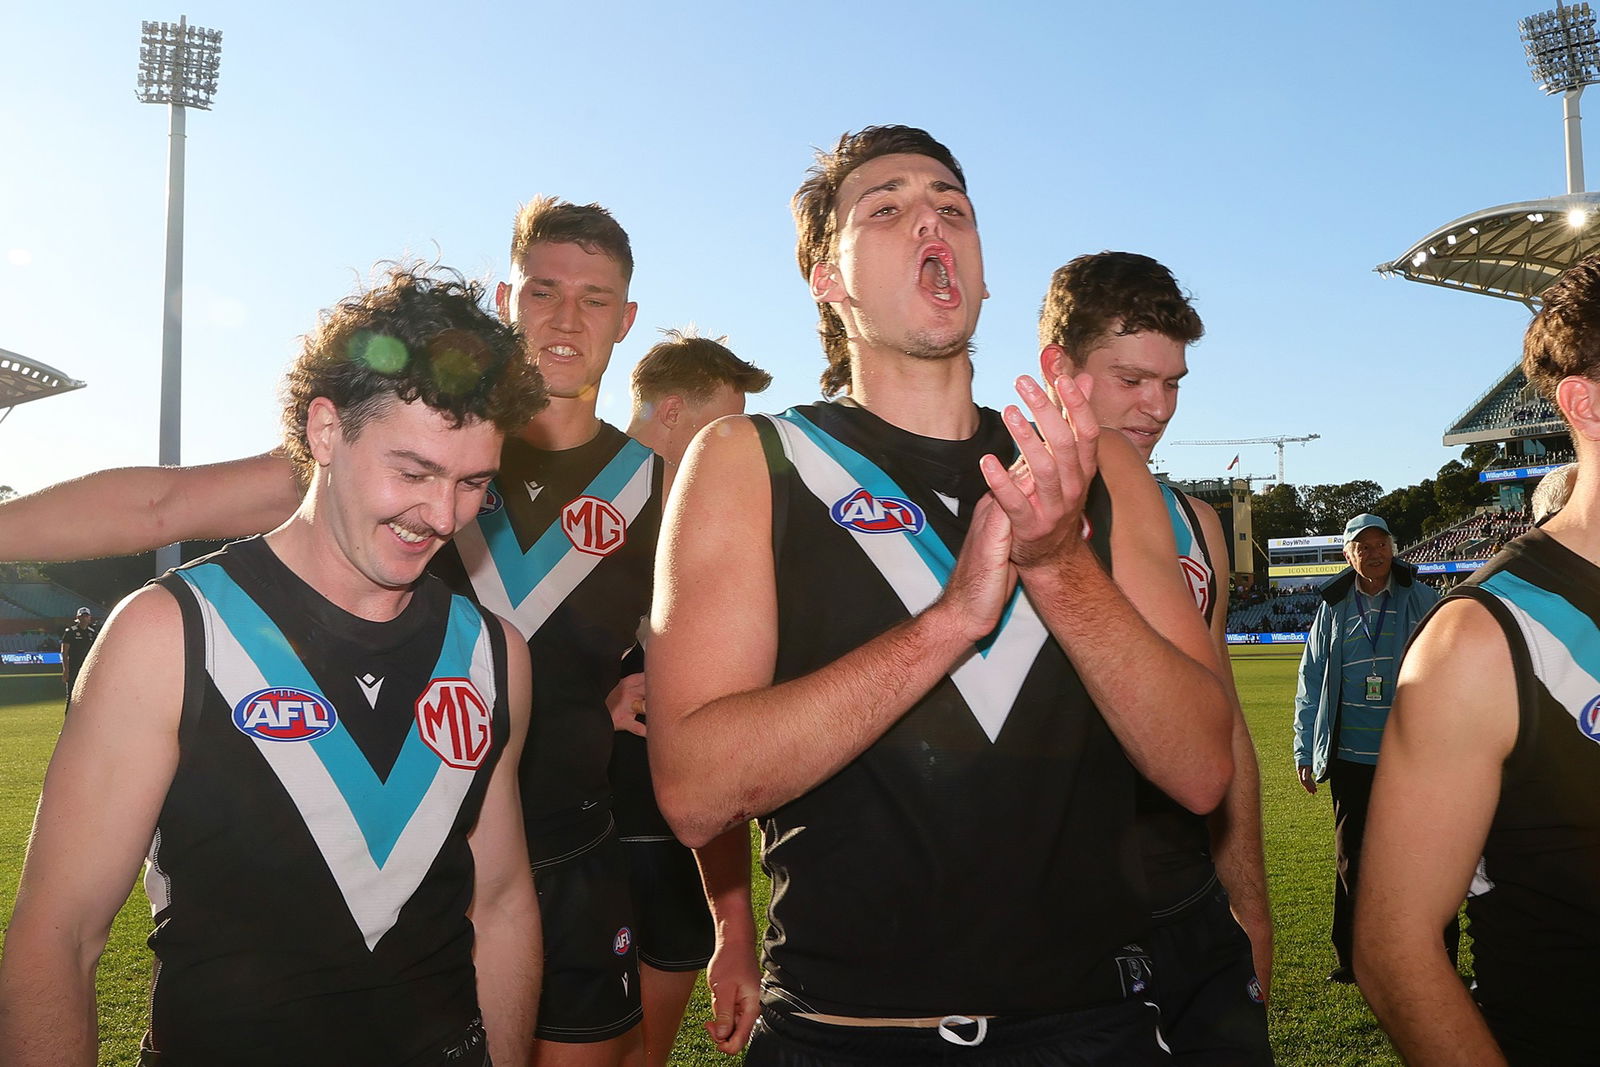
566 422
1577 524
929 397
307 547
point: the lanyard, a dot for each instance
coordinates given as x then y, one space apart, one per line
1383 615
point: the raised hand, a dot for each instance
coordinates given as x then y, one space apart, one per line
983 577
1043 492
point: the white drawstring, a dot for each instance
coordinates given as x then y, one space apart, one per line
961 1020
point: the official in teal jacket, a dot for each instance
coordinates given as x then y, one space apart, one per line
1347 680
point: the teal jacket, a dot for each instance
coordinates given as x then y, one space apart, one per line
1316 699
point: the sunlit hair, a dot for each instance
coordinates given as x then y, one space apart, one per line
1564 337
693 367
422 334
1553 491
547 220
1113 294
814 206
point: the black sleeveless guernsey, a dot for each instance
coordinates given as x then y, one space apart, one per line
980 857
564 548
310 874
1534 903
1176 842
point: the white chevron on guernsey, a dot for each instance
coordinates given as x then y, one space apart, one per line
989 683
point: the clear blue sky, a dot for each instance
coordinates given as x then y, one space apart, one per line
1270 153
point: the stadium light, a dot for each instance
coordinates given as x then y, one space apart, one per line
178 66
1564 56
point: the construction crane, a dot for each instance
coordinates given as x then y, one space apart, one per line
1278 441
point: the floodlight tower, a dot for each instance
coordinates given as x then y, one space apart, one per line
1564 56
178 66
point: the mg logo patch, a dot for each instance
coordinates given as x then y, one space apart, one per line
455 722
284 714
492 502
865 513
1589 719
594 526
1195 574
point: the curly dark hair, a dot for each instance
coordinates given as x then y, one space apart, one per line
423 334
547 220
815 221
1095 297
1564 337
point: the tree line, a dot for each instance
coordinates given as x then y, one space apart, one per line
1414 512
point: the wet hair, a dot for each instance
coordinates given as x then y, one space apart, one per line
693 367
1564 337
1113 294
815 219
422 334
547 220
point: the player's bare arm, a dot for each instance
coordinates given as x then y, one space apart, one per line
136 509
726 744
1172 714
733 975
102 795
1236 846
507 950
1453 723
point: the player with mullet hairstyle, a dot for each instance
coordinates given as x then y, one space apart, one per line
563 549
1121 318
314 742
884 627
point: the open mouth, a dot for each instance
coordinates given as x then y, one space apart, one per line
409 535
934 276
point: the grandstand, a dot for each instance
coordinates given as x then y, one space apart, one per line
33 614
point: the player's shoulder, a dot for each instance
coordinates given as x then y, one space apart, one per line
726 445
146 627
1200 507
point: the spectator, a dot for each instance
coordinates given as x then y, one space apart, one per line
1347 678
75 643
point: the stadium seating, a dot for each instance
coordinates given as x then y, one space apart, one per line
40 606
1477 537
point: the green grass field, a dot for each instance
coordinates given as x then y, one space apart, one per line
1314 1024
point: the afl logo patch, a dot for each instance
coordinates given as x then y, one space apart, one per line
284 714
1252 990
492 502
864 513
622 942
594 526
1589 719
454 721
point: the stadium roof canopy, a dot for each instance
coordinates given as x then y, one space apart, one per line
22 380
1513 251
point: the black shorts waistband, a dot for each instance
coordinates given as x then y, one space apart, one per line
570 834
